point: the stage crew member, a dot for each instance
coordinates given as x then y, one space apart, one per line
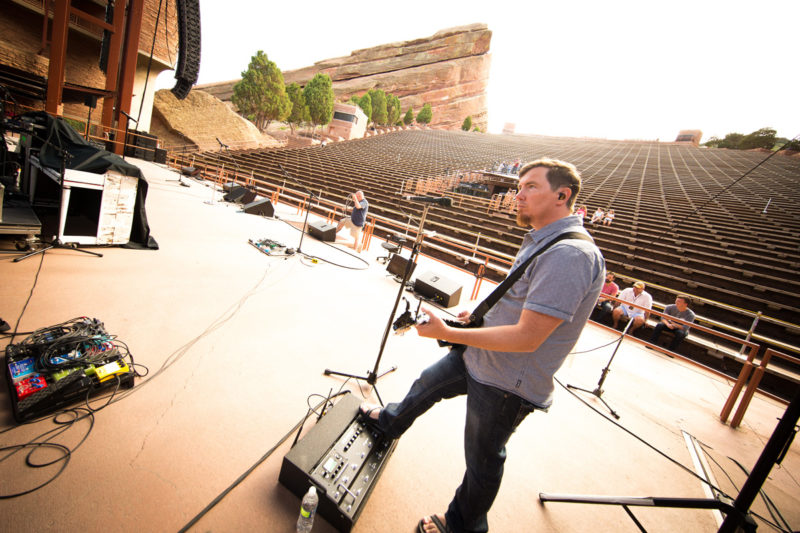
355 222
505 367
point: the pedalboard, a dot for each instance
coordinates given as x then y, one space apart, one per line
40 384
343 456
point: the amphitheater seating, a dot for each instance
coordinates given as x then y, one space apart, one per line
706 222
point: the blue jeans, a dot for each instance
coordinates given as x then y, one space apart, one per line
678 335
492 416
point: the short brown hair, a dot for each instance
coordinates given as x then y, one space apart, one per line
559 174
685 298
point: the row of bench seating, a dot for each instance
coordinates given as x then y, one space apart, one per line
686 217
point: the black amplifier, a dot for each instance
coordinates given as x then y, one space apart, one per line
342 455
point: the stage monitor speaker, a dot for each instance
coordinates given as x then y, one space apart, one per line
161 156
441 290
261 207
240 195
322 231
397 266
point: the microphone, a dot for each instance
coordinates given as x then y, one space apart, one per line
128 116
443 201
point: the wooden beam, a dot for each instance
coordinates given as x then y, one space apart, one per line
58 54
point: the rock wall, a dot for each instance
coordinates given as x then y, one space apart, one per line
199 120
449 70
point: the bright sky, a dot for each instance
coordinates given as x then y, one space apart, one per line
614 69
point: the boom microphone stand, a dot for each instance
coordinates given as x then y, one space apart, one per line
372 377
311 195
598 391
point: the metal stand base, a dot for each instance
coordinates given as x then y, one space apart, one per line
56 244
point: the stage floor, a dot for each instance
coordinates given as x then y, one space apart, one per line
236 343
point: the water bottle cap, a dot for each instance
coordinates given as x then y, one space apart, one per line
312 489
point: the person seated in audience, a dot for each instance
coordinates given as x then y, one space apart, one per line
608 218
515 168
680 309
581 212
598 216
604 304
638 296
355 222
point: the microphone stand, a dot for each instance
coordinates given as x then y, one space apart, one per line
308 210
598 391
372 377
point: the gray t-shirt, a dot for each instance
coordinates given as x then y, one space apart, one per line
688 315
562 282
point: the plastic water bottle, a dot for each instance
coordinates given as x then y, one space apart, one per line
307 511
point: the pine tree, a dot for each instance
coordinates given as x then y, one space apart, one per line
409 116
261 94
365 103
299 112
379 114
319 98
467 124
425 115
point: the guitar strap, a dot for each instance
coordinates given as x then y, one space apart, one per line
477 315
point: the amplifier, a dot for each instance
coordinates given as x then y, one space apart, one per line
441 290
343 456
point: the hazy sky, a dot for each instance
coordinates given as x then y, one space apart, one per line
616 69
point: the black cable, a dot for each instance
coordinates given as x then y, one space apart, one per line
149 63
30 295
250 470
664 454
771 507
309 256
640 439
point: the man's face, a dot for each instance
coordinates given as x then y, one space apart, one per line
609 278
637 290
681 304
535 199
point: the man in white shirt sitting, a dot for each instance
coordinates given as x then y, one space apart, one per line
638 296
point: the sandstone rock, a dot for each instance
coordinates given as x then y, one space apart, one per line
449 70
199 120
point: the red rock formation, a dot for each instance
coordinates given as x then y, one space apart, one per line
449 70
200 120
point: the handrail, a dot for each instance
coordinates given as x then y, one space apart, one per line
747 366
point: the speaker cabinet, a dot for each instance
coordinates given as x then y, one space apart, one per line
441 290
397 266
261 207
322 231
240 195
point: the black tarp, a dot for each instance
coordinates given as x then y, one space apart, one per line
54 136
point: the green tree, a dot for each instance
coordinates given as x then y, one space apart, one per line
261 94
793 144
409 116
425 115
299 113
731 141
379 113
365 103
319 98
467 124
392 109
478 129
763 138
